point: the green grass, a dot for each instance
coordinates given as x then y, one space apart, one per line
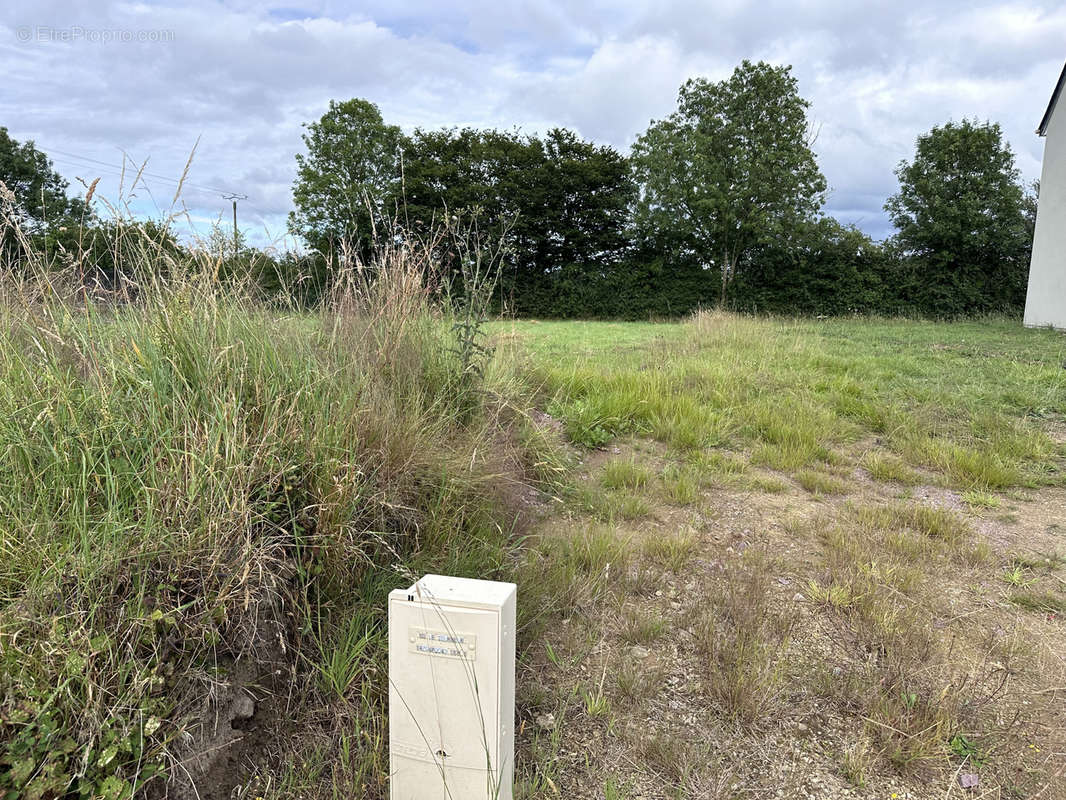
682 484
671 550
625 474
966 401
192 480
857 412
640 627
1041 600
886 467
193 487
820 483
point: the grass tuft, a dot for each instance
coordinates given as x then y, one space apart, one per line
744 638
625 474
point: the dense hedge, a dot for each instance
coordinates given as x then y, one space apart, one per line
824 269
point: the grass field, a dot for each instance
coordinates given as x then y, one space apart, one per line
752 554
964 399
817 558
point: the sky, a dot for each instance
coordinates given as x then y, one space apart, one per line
99 84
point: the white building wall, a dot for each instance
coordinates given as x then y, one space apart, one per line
1045 303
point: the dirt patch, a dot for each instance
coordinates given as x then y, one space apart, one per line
243 712
662 729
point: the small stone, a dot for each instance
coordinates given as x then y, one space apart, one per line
798 597
968 780
243 707
546 722
639 652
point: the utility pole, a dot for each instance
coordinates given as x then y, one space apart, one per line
236 246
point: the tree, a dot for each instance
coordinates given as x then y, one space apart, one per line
349 180
1029 204
42 209
466 169
560 202
40 192
730 168
961 218
823 268
590 191
118 253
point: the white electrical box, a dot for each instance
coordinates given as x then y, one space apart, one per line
451 690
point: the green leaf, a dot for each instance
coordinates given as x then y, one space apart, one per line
107 756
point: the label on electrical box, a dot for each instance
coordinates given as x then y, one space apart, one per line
445 644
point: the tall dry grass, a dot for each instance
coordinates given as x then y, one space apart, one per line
204 500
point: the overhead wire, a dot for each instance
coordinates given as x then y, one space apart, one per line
134 170
131 170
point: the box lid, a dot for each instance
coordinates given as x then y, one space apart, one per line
448 590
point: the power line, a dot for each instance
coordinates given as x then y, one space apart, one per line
117 171
134 170
128 170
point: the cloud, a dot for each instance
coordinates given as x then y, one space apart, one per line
241 78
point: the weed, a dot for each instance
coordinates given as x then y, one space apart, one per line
625 474
670 756
1017 574
193 481
888 467
596 703
343 657
744 640
833 596
762 483
612 505
540 767
1043 601
550 652
639 627
672 551
614 790
820 483
716 463
856 762
980 501
1042 561
585 424
636 681
967 750
682 485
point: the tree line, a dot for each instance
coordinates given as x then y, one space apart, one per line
720 203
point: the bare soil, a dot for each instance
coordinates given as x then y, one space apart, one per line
668 737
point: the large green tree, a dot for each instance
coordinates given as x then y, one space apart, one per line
48 217
560 202
823 268
731 168
961 219
348 181
40 192
590 190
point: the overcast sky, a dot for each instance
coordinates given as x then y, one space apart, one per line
91 81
